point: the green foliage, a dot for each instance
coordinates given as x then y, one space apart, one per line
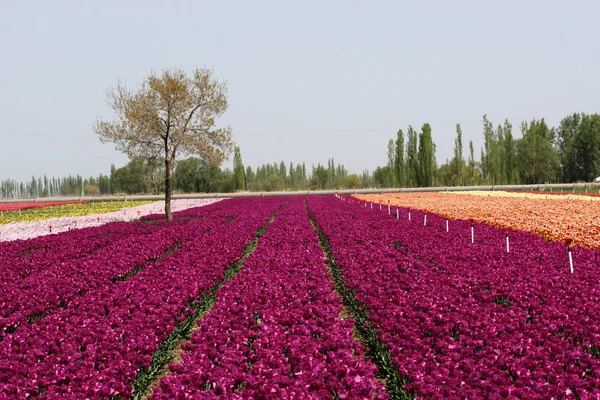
320 177
426 158
399 164
578 139
140 176
412 162
91 190
352 181
569 153
239 181
392 154
458 163
381 177
537 159
194 175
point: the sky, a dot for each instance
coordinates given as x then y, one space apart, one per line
308 80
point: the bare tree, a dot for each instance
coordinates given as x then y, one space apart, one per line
168 115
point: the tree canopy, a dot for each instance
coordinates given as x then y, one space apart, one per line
169 114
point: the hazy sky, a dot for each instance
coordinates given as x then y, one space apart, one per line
308 80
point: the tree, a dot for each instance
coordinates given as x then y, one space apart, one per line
412 163
473 175
486 157
425 157
91 190
457 161
446 175
381 176
568 130
170 114
578 140
512 175
319 177
238 170
352 181
391 163
399 161
537 158
587 147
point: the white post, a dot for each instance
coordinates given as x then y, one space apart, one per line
446 225
425 220
570 260
507 244
409 215
472 234
389 209
397 213
371 206
379 206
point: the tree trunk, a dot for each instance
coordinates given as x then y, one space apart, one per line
168 185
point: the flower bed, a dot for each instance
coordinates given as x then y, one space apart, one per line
77 209
468 320
554 218
275 331
102 214
94 348
4 207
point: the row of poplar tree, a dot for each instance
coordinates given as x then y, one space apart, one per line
567 153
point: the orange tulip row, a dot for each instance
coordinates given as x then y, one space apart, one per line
574 219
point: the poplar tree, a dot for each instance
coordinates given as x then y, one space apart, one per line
400 168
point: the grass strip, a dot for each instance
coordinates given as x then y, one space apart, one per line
375 350
141 267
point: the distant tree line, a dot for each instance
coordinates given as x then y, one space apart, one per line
191 175
564 154
567 153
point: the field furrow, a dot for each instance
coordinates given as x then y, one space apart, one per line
460 318
275 330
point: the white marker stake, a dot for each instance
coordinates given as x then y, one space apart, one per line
425 220
397 214
389 209
379 206
409 215
570 260
472 234
446 225
507 244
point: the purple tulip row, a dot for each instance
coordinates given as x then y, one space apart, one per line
43 289
94 348
275 330
469 320
19 258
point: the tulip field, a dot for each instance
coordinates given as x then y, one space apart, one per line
386 296
61 218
